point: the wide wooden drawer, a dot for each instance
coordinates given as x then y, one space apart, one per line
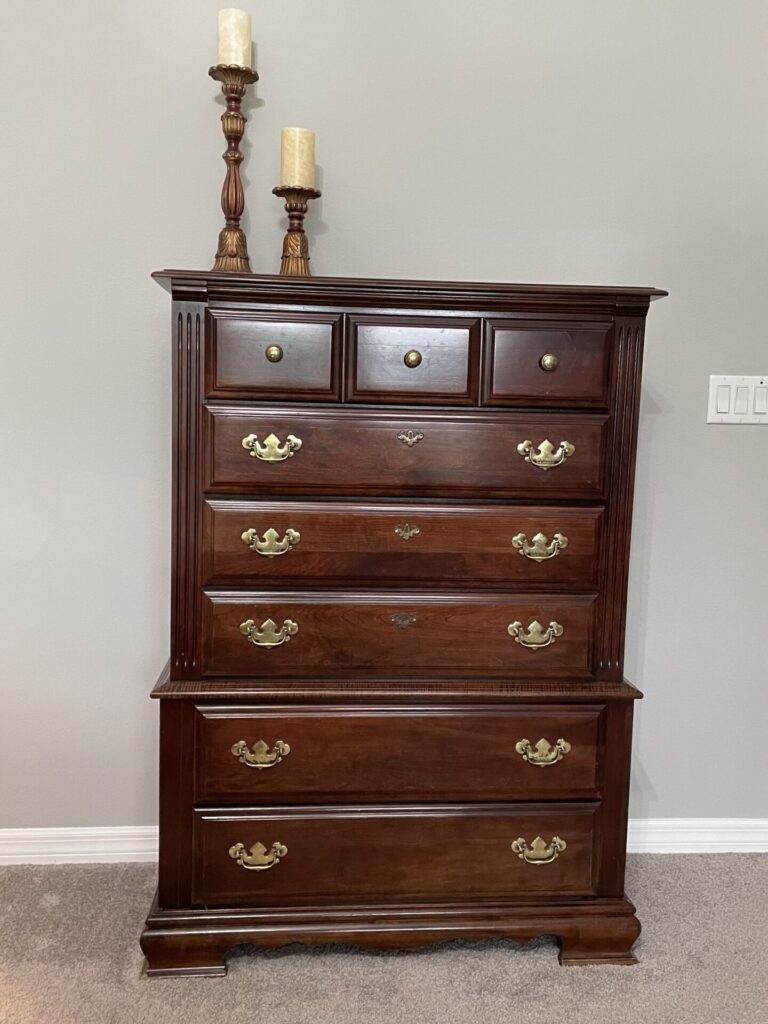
333 541
273 355
413 359
418 852
256 753
289 450
535 363
330 635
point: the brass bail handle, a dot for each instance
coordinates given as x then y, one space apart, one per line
539 852
271 545
536 636
540 549
545 455
258 858
269 634
271 449
543 753
259 756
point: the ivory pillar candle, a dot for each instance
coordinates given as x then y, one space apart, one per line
297 158
234 37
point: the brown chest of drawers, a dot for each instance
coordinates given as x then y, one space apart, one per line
395 709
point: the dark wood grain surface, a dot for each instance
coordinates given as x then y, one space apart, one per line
347 451
514 374
394 753
380 634
352 543
370 853
237 365
447 360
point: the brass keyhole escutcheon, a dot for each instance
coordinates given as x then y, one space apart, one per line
410 437
406 531
403 620
274 353
549 362
412 358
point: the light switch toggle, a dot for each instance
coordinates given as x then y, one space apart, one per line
741 401
723 398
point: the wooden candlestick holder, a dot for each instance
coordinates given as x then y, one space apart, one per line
295 260
232 251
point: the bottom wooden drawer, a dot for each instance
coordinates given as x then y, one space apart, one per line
365 854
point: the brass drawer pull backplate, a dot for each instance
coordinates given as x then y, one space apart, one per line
259 756
536 636
268 634
258 858
539 852
542 754
540 549
271 450
270 546
546 456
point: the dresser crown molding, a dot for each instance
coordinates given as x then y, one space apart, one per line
365 292
395 709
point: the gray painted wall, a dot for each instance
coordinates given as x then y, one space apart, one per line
554 141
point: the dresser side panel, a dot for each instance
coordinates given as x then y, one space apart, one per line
620 472
176 793
188 355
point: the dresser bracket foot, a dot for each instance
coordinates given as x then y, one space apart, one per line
599 940
179 954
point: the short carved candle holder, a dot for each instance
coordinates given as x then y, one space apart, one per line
232 251
295 260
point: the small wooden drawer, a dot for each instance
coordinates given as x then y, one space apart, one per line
425 360
444 545
534 363
254 754
302 635
273 356
409 853
292 450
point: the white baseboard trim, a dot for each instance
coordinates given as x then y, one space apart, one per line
698 835
108 845
139 843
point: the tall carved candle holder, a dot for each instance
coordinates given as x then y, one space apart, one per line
295 259
232 252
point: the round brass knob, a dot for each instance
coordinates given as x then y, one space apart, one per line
549 361
412 358
274 353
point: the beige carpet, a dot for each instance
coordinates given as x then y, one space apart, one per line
69 955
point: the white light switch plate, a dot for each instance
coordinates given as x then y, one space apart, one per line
738 400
